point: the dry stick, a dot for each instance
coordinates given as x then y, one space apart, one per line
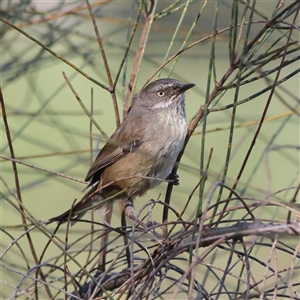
138 57
216 90
288 221
108 214
66 245
272 255
91 127
194 44
66 249
168 233
13 160
185 49
102 274
246 265
103 242
59 153
83 106
210 238
107 69
129 40
17 183
91 161
222 280
49 242
55 15
54 53
71 281
191 129
269 24
14 242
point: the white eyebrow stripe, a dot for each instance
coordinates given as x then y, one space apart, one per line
164 104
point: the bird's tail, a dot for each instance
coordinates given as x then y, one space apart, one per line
79 209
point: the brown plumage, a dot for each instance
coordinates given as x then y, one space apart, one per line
146 144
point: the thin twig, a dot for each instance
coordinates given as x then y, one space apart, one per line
107 69
18 189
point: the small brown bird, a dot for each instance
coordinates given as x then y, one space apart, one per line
141 152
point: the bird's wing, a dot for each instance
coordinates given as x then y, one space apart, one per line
120 144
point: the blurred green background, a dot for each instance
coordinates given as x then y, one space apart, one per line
51 131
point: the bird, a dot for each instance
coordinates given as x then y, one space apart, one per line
141 153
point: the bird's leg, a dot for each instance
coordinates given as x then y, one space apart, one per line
125 238
173 177
104 238
129 212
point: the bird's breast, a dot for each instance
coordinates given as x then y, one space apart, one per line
168 136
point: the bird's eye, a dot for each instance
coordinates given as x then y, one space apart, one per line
160 93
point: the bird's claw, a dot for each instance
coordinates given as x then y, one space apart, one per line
174 178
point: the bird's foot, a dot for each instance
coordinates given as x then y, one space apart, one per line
129 212
174 178
151 224
148 227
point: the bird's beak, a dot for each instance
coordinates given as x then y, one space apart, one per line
186 87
